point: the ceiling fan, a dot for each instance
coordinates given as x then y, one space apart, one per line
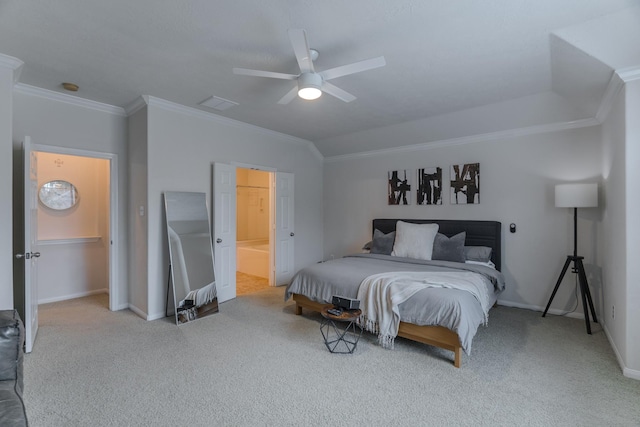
311 84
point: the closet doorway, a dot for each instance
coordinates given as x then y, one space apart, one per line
255 219
66 209
74 242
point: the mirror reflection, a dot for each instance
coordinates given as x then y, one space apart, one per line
191 253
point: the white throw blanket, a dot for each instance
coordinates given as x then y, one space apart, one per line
381 294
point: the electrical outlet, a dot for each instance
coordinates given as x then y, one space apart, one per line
613 311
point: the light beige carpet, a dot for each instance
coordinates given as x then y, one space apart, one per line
256 363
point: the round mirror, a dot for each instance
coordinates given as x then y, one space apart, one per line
58 195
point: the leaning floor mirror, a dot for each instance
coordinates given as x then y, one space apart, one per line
191 253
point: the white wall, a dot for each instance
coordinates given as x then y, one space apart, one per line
632 138
54 120
83 220
614 258
182 146
7 71
517 178
138 235
620 230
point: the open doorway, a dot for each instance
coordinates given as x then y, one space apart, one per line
71 195
254 230
74 241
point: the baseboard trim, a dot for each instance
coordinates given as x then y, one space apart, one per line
137 311
553 311
145 315
629 373
73 296
122 306
156 316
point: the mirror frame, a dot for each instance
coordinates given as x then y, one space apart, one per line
58 195
203 299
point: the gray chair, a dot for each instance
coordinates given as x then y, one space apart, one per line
12 410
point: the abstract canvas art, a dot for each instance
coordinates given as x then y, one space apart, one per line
429 186
465 184
398 187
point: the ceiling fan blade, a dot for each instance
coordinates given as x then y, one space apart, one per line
356 67
301 50
260 73
337 92
289 96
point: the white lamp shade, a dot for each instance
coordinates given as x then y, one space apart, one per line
577 195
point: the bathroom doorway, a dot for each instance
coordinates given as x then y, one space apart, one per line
254 230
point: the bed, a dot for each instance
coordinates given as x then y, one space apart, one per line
443 317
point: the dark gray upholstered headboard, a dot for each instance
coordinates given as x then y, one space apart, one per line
479 233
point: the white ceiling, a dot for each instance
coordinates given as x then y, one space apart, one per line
442 57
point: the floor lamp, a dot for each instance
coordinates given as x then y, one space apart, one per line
576 196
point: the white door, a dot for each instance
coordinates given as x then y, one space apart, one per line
284 228
224 230
31 253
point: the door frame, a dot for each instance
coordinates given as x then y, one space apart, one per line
272 214
274 249
113 209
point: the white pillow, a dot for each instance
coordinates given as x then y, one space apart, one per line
414 240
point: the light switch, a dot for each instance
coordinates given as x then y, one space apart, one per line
141 210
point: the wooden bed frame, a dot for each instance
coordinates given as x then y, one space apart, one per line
438 336
479 233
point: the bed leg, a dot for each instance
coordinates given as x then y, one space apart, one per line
457 357
298 310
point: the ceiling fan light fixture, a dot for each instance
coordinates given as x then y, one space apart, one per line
309 85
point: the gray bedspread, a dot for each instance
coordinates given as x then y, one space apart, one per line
454 309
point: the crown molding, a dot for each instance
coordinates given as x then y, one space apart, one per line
68 99
194 112
12 63
136 105
617 81
629 74
484 137
613 89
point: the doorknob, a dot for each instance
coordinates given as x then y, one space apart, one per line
28 255
218 240
291 234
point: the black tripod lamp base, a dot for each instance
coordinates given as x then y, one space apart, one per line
578 268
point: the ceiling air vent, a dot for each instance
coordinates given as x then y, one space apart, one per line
218 103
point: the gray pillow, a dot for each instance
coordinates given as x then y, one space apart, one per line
382 243
477 253
449 249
